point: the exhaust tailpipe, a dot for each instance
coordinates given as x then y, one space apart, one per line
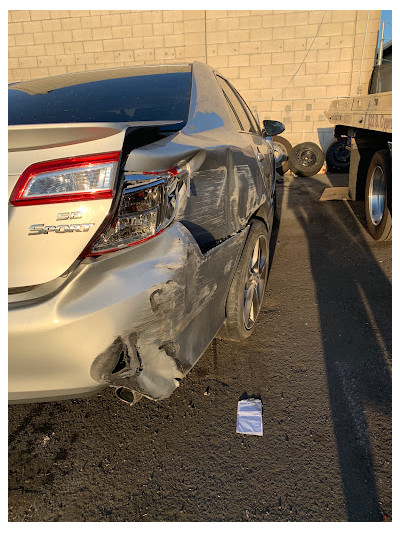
128 396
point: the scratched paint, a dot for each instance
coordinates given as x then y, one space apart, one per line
177 318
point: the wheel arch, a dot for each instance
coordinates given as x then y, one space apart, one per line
262 215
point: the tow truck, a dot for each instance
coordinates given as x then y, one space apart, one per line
366 123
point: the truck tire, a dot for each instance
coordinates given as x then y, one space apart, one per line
248 286
282 149
378 196
306 159
338 156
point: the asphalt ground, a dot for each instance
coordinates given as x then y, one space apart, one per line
320 361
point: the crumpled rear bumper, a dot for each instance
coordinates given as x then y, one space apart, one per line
140 319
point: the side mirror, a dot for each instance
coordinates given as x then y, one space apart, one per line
272 127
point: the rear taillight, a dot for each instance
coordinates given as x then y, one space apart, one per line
148 204
67 180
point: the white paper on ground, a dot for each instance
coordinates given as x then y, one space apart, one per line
249 417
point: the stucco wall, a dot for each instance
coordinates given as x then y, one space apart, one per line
331 53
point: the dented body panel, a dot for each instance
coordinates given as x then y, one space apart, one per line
161 303
231 184
141 317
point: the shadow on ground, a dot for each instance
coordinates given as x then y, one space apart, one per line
354 302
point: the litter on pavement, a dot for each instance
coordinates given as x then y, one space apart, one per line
249 417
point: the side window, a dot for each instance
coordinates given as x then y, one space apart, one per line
246 118
225 89
238 106
253 121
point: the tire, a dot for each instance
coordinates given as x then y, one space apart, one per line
338 156
306 159
248 286
378 196
282 148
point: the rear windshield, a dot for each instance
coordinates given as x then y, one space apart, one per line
152 97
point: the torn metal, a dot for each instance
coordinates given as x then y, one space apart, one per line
177 318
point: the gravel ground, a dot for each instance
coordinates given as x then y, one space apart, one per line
320 360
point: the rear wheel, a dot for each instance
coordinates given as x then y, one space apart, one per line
378 196
306 159
248 286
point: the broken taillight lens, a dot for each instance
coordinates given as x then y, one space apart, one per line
148 204
67 180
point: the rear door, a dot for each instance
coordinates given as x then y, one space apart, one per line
262 148
249 128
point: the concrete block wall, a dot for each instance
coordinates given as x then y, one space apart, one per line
286 64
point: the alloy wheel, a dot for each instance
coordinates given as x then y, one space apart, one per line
255 282
377 194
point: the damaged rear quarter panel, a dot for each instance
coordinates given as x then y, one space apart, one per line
182 304
228 186
175 304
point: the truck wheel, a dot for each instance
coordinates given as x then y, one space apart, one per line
306 159
282 148
248 286
378 196
338 156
